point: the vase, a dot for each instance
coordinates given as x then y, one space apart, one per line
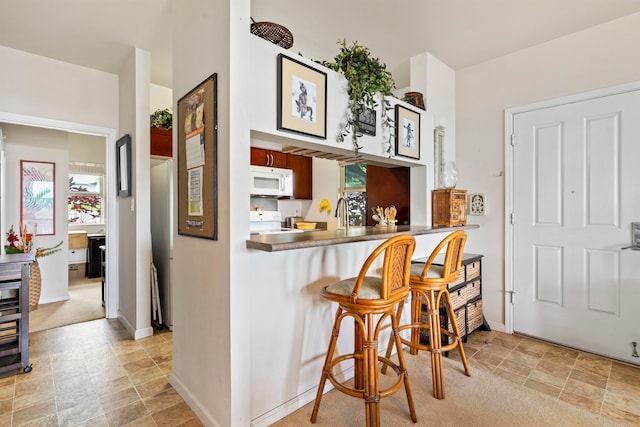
449 177
35 286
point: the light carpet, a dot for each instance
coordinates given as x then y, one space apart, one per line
84 304
480 400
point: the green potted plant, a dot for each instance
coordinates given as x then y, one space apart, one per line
162 119
367 77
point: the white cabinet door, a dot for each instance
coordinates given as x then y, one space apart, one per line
576 189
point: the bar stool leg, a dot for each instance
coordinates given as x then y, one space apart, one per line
416 319
371 389
456 331
394 336
327 364
402 364
435 344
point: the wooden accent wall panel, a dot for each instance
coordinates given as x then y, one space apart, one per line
386 187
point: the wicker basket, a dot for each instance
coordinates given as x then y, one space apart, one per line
276 34
35 286
472 291
475 318
473 270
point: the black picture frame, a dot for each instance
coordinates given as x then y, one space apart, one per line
123 162
302 98
197 129
407 132
367 119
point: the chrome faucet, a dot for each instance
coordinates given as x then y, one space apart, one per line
342 214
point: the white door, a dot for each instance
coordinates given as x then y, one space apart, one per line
576 189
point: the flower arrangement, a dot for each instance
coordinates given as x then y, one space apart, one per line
23 243
325 205
385 217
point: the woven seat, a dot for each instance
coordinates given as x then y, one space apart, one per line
370 300
429 286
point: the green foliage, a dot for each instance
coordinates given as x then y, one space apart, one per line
367 77
162 119
42 252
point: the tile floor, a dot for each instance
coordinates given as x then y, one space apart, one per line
595 383
94 374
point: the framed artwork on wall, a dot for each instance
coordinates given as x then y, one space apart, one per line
302 98
123 160
407 132
197 129
38 197
438 155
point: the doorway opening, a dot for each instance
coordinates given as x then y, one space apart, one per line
106 303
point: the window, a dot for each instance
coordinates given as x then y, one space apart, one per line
85 204
353 187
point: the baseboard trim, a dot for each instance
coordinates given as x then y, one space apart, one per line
193 403
135 333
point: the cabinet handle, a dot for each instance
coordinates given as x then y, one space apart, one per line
271 161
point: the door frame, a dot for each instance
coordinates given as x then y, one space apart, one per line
111 288
508 184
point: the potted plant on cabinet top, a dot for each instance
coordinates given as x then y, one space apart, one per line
162 119
161 134
367 77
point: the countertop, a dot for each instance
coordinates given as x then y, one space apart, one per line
288 241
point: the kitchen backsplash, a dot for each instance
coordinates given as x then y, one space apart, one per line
264 203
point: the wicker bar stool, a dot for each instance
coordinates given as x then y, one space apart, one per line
370 301
429 285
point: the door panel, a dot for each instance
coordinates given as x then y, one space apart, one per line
575 192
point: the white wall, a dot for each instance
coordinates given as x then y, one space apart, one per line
202 365
68 93
70 98
133 212
160 97
598 57
41 145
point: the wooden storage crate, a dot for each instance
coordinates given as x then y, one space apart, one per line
448 208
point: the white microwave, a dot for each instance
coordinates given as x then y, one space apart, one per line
268 181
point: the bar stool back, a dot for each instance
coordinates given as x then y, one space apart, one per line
362 298
429 285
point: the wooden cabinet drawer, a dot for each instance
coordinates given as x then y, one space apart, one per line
78 240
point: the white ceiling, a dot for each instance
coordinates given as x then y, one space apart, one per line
98 34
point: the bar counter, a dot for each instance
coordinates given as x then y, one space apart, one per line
309 239
290 323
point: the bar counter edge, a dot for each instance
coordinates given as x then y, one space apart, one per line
289 241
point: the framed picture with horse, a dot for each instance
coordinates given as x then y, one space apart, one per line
302 98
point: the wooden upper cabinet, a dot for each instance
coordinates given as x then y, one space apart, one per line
300 165
262 157
302 173
161 142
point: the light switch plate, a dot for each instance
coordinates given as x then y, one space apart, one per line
477 204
